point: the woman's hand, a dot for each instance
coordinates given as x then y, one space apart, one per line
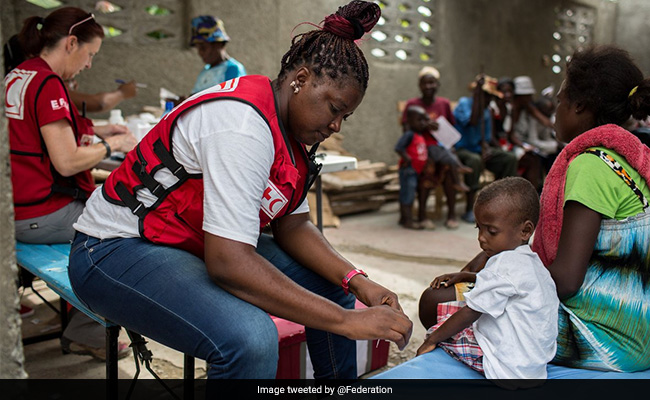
118 137
448 280
389 322
378 322
373 294
106 131
122 142
128 89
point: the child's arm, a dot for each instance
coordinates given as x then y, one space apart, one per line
400 148
477 263
462 319
538 115
448 280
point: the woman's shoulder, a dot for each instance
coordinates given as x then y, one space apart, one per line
592 182
591 161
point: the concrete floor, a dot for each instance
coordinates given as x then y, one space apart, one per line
403 260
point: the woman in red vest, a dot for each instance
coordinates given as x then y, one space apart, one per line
52 147
171 245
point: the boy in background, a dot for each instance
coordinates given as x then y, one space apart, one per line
412 149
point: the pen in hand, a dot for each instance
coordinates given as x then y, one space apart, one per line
138 84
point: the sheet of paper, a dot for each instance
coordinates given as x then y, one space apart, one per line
446 134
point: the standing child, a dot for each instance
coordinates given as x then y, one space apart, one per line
506 326
436 106
412 148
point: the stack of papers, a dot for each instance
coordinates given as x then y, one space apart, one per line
446 134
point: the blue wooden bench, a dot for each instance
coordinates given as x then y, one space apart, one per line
49 262
439 365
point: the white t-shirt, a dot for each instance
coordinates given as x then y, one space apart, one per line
227 141
518 329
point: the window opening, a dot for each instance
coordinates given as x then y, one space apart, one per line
47 4
574 30
405 31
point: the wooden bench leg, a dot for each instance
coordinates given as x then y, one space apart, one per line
188 377
112 333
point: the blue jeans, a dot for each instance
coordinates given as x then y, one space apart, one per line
408 185
166 294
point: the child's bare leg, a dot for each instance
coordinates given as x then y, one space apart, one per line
459 185
423 195
428 306
464 169
450 194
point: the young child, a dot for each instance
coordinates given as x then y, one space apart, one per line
412 149
506 327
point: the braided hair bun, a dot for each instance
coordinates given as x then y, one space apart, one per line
353 20
331 50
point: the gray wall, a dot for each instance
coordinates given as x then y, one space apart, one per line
11 346
504 37
631 31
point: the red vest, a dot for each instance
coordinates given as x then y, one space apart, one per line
37 187
417 150
176 219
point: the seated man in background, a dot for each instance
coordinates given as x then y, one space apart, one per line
477 147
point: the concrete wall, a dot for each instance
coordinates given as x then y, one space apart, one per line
502 37
11 345
632 32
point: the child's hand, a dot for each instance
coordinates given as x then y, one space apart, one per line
407 160
448 280
427 346
433 125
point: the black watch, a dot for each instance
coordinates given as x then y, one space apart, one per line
108 148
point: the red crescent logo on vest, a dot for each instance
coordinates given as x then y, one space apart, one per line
16 84
273 201
9 85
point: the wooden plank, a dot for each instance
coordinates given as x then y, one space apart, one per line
359 194
329 219
352 207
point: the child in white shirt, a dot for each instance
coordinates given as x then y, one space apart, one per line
507 325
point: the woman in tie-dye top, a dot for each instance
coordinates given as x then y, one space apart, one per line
594 225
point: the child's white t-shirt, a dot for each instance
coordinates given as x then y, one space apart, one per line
518 329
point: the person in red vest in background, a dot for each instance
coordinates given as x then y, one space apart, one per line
52 147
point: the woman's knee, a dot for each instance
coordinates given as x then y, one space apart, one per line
250 353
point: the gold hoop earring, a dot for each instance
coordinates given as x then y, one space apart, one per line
295 87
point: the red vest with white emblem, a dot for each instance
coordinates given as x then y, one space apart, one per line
38 188
176 218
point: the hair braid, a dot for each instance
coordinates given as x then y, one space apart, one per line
331 50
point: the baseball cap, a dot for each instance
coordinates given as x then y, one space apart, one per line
524 85
208 29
